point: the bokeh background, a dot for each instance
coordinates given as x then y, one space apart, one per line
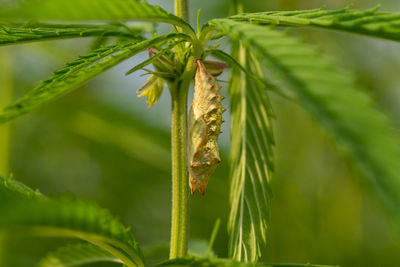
103 144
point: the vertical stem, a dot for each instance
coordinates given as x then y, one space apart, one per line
6 91
179 223
236 7
180 185
179 91
182 9
5 98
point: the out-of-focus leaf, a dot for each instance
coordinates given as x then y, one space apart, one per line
12 188
199 262
65 218
77 255
141 142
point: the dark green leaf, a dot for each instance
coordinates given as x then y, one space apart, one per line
198 262
77 255
10 187
65 218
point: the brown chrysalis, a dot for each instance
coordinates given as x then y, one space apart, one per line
205 119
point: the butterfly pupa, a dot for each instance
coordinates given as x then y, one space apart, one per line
205 119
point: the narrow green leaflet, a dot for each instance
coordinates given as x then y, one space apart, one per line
146 62
330 96
65 218
78 72
251 160
199 262
14 33
12 188
367 22
93 10
77 255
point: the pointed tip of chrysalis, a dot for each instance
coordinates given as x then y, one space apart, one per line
197 185
202 191
200 66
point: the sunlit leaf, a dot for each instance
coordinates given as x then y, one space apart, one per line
251 160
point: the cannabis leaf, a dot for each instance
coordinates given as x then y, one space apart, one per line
11 188
367 22
251 160
77 255
66 218
78 72
202 262
13 33
330 96
251 155
93 10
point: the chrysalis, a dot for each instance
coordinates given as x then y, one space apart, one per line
205 121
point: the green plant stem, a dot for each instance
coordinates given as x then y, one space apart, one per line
5 99
182 9
179 223
6 91
236 7
179 92
180 192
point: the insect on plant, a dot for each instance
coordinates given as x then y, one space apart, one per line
262 60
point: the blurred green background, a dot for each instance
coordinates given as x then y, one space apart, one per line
102 144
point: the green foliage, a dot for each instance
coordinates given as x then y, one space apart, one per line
12 188
330 96
367 22
152 90
77 255
135 139
251 160
198 262
93 10
15 33
262 58
66 218
78 72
